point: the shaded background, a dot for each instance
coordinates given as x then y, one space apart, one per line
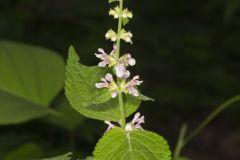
188 54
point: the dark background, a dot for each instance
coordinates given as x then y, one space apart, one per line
188 54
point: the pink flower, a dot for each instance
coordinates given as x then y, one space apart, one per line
121 71
131 86
128 60
135 123
137 120
109 83
120 68
106 59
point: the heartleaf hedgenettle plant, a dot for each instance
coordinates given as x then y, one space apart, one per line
109 92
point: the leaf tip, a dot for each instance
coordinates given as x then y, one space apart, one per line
72 54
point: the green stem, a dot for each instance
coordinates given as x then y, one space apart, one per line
211 117
180 142
120 22
120 97
122 109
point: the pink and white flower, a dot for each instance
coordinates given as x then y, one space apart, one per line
121 71
130 87
135 123
127 60
105 58
109 83
120 68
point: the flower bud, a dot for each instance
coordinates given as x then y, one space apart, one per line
111 35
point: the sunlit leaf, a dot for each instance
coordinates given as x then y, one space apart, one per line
136 145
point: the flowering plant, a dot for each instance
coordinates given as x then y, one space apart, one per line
106 92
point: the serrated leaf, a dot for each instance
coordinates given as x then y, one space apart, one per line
136 145
110 110
145 98
86 98
66 156
30 79
80 82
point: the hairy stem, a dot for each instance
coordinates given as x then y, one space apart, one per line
120 97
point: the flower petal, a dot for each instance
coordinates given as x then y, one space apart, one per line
114 94
120 69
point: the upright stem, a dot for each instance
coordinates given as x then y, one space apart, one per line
122 109
120 21
120 97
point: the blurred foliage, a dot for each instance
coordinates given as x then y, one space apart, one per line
188 54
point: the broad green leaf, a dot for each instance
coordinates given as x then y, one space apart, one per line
27 151
16 110
66 156
110 110
136 145
86 98
30 79
80 82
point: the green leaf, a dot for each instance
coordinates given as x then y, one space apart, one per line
145 98
80 82
15 110
136 145
30 79
27 151
86 98
110 110
61 157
